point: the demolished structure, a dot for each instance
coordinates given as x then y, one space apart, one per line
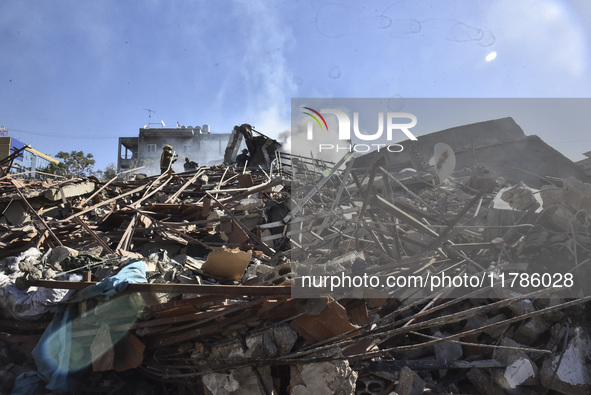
195 282
193 142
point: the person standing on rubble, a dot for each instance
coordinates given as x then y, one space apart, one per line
190 165
242 158
166 159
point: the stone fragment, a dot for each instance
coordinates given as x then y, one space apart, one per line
520 370
335 377
409 383
59 254
77 189
569 372
239 381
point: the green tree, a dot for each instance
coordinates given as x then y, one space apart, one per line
109 173
73 164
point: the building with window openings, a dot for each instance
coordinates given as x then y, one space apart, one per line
193 142
29 162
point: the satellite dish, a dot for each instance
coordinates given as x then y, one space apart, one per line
443 160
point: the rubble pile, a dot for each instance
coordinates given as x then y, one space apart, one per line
223 280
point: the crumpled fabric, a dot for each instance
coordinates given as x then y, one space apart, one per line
52 352
31 304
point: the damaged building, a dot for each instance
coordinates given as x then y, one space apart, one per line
194 142
18 157
192 283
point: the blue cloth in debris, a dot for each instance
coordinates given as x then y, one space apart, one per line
132 273
52 353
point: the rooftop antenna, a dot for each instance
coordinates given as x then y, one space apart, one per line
149 114
150 118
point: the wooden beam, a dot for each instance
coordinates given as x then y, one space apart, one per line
230 290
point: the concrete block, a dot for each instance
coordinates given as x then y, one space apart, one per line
335 377
72 190
529 333
519 197
284 337
447 351
371 385
520 370
577 194
550 195
240 381
272 342
409 383
506 208
59 254
483 382
573 367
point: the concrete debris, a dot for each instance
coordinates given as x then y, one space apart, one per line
239 381
568 371
520 370
409 383
268 274
335 377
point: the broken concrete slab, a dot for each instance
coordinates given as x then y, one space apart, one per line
70 190
520 371
577 194
520 196
334 377
59 254
447 351
239 381
483 382
568 372
409 383
529 333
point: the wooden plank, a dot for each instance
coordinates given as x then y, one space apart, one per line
229 290
83 202
185 185
136 190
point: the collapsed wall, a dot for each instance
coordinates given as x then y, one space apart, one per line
187 280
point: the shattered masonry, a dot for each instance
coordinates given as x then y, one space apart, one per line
185 280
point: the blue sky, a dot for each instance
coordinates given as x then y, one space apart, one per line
76 75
